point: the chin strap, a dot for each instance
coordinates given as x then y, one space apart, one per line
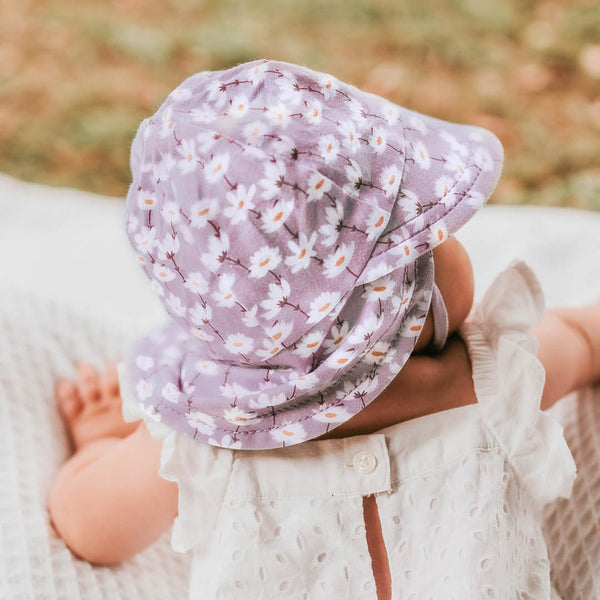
440 319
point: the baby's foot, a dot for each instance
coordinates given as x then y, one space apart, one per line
91 406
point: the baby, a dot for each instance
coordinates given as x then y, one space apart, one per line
291 224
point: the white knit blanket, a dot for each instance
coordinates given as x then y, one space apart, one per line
70 290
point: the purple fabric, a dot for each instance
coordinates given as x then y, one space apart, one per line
287 220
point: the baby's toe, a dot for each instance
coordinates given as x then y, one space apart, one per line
109 382
67 399
88 383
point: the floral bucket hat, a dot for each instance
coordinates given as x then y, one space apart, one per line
287 222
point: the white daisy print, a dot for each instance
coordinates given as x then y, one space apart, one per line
162 273
390 114
350 136
483 159
217 249
179 94
403 248
278 294
263 261
202 335
175 306
249 317
267 400
195 282
328 85
164 167
278 114
280 330
275 216
341 358
331 414
132 223
376 223
365 329
166 123
233 391
304 381
253 132
302 252
239 107
444 189
329 148
381 289
237 416
377 353
270 348
216 167
256 73
201 421
206 367
337 335
378 140
412 327
168 248
225 296
238 343
146 200
145 363
240 202
309 344
293 433
206 140
271 183
322 305
145 239
202 211
390 180
200 314
203 114
171 393
418 124
378 270
171 212
313 113
354 176
421 155
453 162
143 389
189 156
336 263
331 229
438 234
318 186
453 142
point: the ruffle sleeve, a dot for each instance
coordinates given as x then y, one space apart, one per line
509 382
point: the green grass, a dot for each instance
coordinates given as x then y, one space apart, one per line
76 78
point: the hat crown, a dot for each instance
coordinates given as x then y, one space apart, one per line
279 182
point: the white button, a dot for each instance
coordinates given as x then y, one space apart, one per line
364 462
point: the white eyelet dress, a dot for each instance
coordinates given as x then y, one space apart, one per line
459 492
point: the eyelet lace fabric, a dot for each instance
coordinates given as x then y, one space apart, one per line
459 493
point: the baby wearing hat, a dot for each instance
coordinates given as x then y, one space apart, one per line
299 232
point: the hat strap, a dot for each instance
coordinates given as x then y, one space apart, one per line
440 319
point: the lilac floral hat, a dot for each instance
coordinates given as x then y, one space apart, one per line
287 220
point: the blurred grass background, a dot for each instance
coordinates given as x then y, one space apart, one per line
76 78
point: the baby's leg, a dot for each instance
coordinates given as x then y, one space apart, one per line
108 501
